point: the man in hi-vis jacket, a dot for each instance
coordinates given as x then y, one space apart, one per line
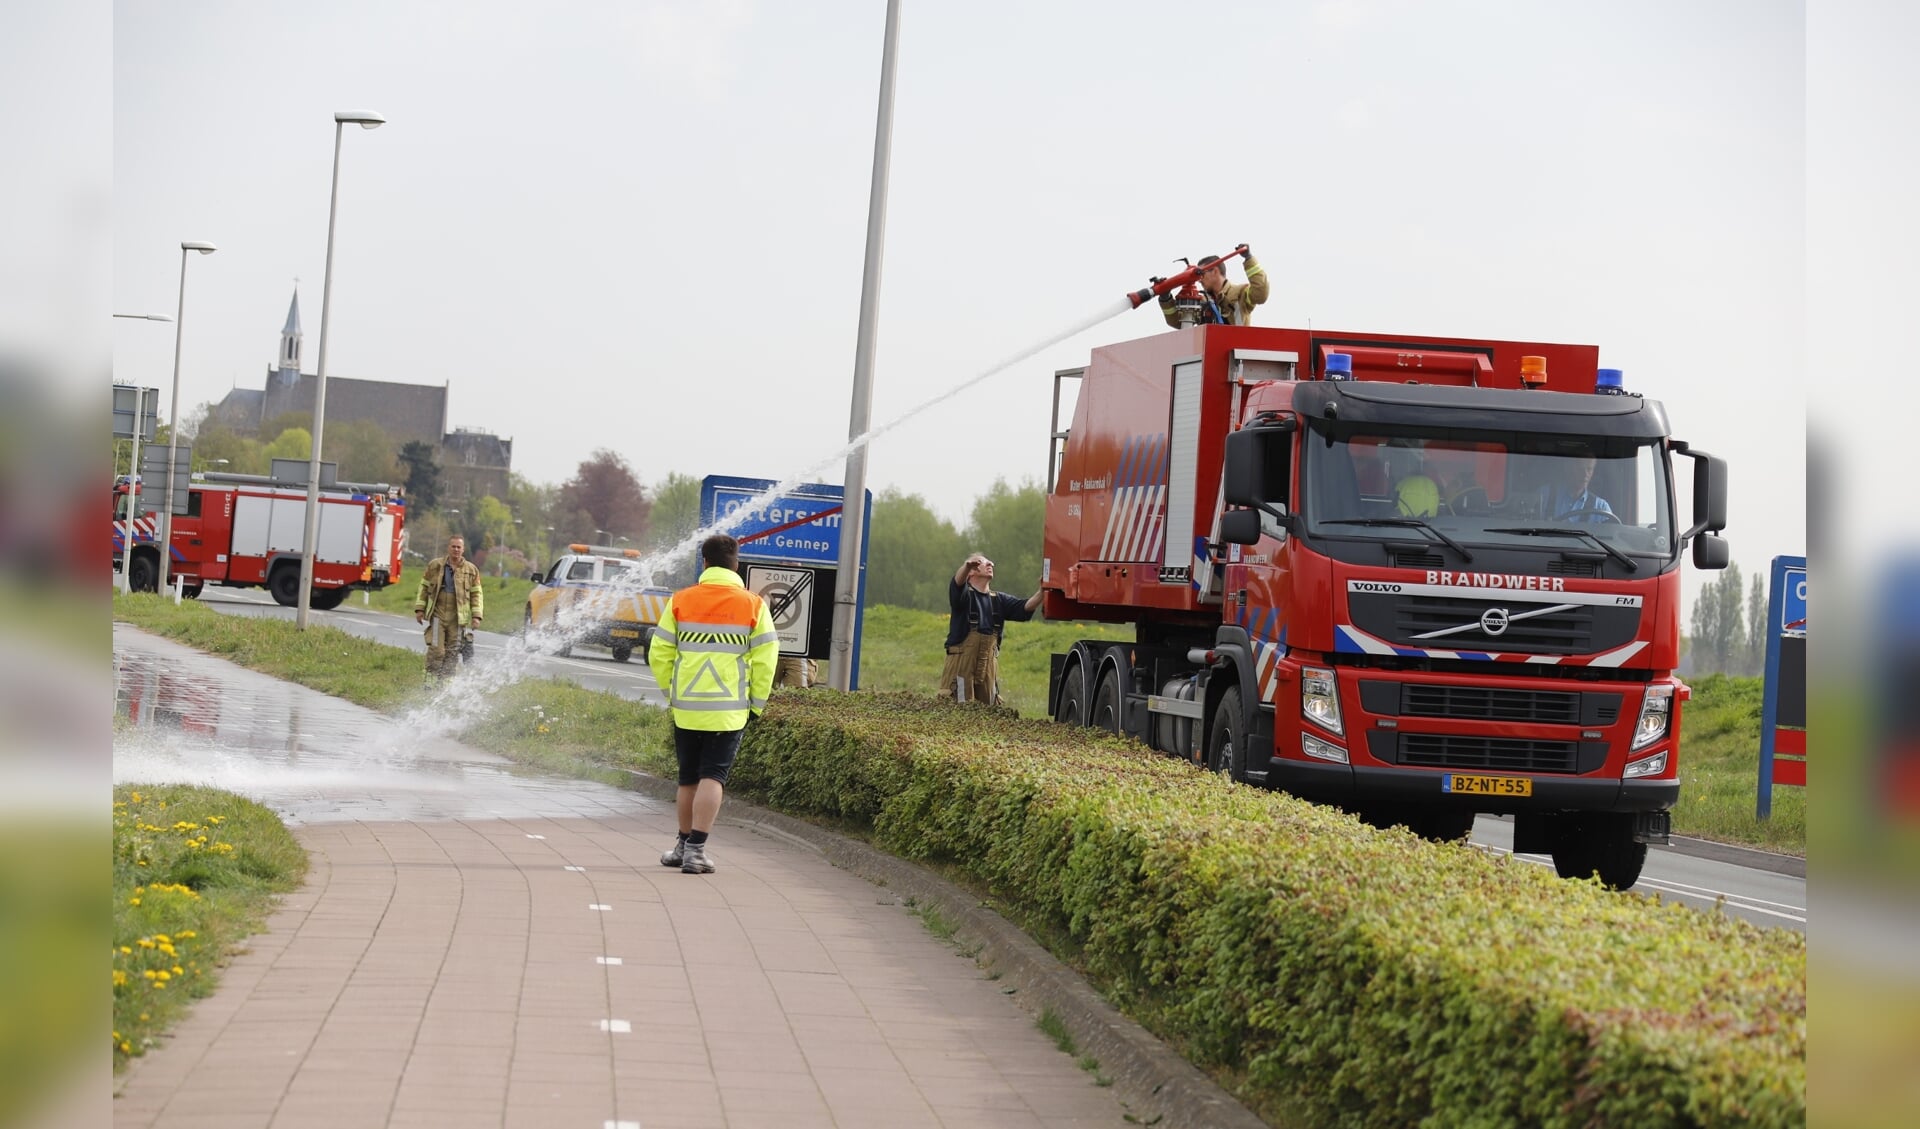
713 653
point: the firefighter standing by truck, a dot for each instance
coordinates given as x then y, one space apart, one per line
449 603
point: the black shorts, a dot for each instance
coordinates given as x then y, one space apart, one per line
705 754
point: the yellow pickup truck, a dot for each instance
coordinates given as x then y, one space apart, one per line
598 596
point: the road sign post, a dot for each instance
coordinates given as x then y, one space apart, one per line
1783 706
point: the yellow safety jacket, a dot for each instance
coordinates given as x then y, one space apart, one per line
714 652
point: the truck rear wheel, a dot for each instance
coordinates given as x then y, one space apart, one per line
622 652
1226 751
1602 846
284 585
1072 709
1106 704
326 599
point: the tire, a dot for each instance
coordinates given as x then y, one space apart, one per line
326 599
284 585
1605 848
192 591
1106 704
143 575
1226 744
622 652
1072 709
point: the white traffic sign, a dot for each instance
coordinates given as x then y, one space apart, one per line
789 596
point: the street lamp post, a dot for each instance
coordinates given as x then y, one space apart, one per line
309 543
173 416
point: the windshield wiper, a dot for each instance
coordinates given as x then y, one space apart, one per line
1407 523
1568 531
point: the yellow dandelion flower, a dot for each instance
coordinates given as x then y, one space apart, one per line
163 938
144 1017
167 949
133 901
128 950
126 1048
119 979
188 933
178 971
136 798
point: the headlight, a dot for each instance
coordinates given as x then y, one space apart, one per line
1646 766
1320 700
1321 750
1655 709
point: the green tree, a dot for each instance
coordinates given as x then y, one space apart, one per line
293 443
1719 630
243 455
1756 658
363 450
421 472
1009 526
675 517
491 522
911 553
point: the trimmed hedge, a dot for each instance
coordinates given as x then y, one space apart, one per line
1367 977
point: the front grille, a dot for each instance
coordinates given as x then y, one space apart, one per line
1550 707
1569 631
1417 558
1426 750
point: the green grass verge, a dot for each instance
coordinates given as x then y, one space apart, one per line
195 870
1720 771
901 649
504 602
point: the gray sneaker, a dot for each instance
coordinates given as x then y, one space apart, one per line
674 856
694 860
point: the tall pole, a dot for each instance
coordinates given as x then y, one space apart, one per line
853 514
133 487
173 419
309 542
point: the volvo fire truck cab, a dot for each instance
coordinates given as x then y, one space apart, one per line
1386 572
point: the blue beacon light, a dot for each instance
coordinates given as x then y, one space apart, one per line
1339 366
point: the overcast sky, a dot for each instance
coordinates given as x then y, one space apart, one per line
641 225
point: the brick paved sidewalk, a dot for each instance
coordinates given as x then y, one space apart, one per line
550 973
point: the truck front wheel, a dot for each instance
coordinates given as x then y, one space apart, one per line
1226 750
1603 846
144 573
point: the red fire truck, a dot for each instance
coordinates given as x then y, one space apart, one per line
1417 577
247 531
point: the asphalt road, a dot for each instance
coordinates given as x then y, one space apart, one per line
1766 889
589 666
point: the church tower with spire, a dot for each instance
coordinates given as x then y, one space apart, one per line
287 367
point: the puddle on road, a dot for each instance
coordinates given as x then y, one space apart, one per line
194 719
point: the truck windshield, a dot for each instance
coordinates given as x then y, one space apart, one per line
1488 490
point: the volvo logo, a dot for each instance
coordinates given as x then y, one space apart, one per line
1493 621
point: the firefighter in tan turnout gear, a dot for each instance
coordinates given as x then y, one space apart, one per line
449 603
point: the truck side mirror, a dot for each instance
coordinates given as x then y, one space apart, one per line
1244 470
1240 527
1710 493
1711 552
